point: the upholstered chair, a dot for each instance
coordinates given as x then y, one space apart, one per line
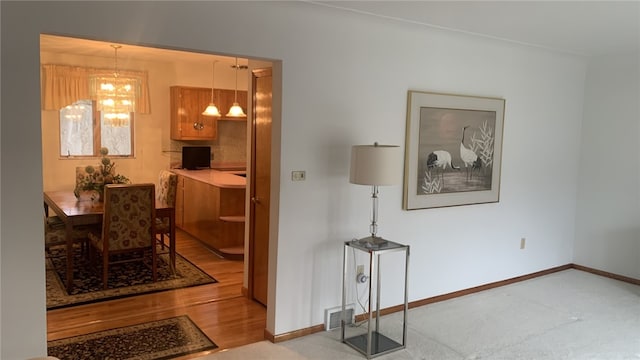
56 236
82 174
127 226
55 233
166 197
52 221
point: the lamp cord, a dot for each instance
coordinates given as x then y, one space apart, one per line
213 77
358 298
235 96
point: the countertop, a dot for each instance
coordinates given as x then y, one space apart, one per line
221 179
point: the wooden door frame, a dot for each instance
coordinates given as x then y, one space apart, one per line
255 73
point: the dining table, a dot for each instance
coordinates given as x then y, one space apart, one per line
74 211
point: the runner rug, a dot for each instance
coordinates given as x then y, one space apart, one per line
125 279
162 339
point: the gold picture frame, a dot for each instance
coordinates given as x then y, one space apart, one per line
453 150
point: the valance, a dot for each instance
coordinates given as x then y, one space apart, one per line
63 85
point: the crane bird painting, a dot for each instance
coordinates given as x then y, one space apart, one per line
453 150
439 160
464 141
441 175
469 158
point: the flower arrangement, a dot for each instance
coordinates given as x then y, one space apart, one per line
95 179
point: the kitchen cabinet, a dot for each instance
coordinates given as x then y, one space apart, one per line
187 105
187 121
200 211
179 201
212 213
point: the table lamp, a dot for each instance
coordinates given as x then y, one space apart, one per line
375 165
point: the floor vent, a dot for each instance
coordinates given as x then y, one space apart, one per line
332 317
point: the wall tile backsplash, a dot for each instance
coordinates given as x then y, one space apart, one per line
231 145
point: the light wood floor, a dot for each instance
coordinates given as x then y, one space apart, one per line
224 315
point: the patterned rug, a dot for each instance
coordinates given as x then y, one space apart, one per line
162 339
125 279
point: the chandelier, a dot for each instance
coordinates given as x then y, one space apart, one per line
115 95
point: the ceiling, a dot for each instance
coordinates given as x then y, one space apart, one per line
67 45
588 28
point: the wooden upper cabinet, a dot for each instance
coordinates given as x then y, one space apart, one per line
187 121
187 105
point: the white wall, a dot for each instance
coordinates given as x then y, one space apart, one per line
344 81
608 215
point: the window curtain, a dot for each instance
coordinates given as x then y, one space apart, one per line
63 85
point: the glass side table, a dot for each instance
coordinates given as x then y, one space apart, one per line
374 343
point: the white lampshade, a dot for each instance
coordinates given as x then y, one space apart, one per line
211 110
376 165
236 111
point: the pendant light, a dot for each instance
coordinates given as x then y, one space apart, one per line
115 95
236 110
212 109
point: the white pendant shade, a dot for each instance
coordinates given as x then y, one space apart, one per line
211 110
236 111
376 165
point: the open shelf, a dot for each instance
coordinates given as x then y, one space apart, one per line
232 218
232 253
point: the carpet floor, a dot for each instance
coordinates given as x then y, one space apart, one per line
568 315
162 339
125 279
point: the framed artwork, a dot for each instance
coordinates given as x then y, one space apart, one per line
453 150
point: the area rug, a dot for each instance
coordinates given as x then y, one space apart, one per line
162 339
125 279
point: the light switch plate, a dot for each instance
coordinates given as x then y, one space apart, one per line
298 175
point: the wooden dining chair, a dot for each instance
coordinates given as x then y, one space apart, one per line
166 195
55 233
127 227
56 236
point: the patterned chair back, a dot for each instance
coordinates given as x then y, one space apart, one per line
82 174
167 187
129 216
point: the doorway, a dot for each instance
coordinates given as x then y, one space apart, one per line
245 280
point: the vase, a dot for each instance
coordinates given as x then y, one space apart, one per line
97 195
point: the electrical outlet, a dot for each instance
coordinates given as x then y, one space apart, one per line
361 277
523 242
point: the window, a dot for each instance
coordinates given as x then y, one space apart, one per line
84 131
